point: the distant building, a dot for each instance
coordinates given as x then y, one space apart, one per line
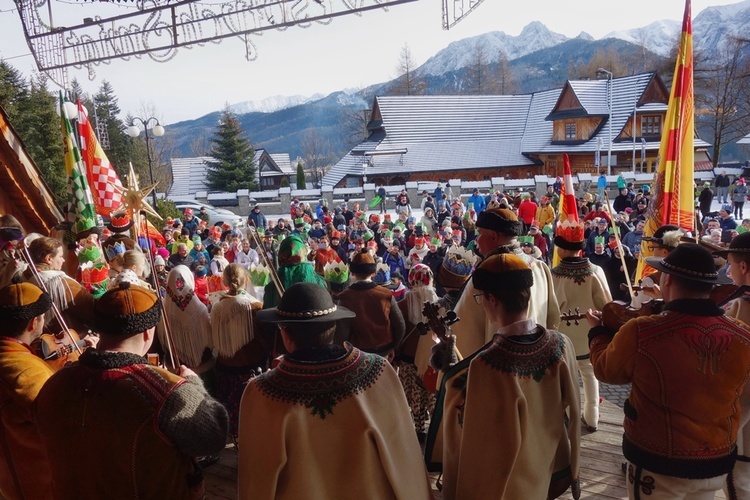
189 174
432 138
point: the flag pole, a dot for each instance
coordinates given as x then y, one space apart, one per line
619 246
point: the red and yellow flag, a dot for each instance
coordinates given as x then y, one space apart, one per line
568 207
673 201
100 174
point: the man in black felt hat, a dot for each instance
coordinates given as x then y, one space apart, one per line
738 306
688 367
329 421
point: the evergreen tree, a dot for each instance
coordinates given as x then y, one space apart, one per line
121 148
42 135
13 89
31 110
301 184
284 182
233 164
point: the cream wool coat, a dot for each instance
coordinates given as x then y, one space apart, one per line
474 330
583 285
341 430
505 437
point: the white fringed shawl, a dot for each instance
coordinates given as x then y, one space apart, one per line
415 299
232 323
58 288
188 318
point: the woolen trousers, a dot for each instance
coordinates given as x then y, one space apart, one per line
590 392
644 484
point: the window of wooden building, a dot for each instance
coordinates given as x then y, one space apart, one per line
570 131
650 125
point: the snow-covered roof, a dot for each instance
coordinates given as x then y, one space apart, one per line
188 175
451 133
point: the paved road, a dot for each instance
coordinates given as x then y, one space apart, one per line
615 394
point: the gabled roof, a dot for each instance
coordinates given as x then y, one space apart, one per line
461 132
284 163
188 175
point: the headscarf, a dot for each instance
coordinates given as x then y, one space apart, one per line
188 317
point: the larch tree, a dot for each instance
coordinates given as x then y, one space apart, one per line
233 157
722 94
408 82
478 77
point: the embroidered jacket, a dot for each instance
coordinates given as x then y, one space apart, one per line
579 284
117 427
330 422
499 429
24 469
474 330
688 367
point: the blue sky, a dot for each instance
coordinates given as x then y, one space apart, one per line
350 52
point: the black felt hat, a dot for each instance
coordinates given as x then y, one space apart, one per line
689 261
305 303
739 244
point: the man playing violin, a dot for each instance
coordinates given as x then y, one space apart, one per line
580 284
24 469
738 255
688 367
661 243
135 426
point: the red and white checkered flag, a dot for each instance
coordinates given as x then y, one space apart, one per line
100 174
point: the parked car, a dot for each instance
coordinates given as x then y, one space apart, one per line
216 214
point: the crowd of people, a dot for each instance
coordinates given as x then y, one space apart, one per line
344 352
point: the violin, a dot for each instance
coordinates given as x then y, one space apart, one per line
616 313
59 349
439 325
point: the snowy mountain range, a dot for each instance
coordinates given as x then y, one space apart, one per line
711 27
271 104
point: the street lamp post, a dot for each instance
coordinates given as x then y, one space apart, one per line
134 131
609 123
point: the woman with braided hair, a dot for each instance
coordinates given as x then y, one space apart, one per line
240 355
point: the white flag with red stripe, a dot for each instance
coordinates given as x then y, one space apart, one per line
101 176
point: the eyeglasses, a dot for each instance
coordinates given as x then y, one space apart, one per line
478 297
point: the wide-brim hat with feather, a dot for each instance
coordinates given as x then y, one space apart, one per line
689 261
305 303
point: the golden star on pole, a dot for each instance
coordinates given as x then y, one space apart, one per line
134 198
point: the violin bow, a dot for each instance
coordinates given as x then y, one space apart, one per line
619 246
55 310
167 328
